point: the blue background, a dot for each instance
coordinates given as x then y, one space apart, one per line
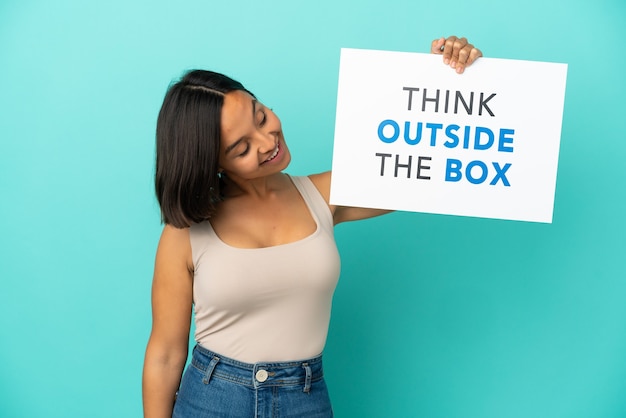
434 316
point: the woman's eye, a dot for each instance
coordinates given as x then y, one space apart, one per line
245 151
262 118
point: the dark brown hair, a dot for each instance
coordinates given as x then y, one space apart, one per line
187 147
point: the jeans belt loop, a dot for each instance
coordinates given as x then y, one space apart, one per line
307 379
209 370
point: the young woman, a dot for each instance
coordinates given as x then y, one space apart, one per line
250 249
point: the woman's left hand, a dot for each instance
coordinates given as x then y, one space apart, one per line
458 53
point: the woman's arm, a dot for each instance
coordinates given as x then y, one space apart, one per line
458 53
342 213
172 300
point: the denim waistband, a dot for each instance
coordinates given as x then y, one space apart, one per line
257 375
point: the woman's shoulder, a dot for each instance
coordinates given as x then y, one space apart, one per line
171 233
321 181
174 248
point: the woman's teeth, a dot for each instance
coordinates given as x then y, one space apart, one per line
274 154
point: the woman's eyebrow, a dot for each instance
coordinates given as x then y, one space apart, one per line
254 102
234 144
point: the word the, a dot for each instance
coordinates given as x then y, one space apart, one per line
405 166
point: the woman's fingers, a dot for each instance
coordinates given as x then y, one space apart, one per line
436 47
457 52
466 56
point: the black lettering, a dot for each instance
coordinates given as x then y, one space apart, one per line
421 167
410 90
382 162
407 166
426 99
483 103
459 97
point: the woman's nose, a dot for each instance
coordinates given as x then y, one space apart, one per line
267 142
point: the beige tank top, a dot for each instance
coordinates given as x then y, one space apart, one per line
266 304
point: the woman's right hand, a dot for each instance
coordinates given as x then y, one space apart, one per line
458 53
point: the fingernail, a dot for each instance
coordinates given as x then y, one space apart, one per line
446 61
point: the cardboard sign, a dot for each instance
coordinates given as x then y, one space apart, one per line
411 134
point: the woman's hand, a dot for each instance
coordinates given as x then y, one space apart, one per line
457 52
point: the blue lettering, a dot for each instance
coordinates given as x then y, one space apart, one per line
480 130
381 133
407 133
503 140
454 139
479 138
468 172
501 174
453 170
433 132
466 136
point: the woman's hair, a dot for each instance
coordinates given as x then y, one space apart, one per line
187 147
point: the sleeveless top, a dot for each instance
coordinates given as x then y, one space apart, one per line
266 304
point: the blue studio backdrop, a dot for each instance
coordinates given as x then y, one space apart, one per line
434 316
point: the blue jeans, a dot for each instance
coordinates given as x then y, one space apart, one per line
216 386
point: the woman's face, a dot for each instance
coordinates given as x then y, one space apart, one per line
252 143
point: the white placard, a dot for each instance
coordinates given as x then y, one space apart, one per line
411 134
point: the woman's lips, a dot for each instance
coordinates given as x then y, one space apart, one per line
274 154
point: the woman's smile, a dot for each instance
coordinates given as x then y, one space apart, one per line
276 153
